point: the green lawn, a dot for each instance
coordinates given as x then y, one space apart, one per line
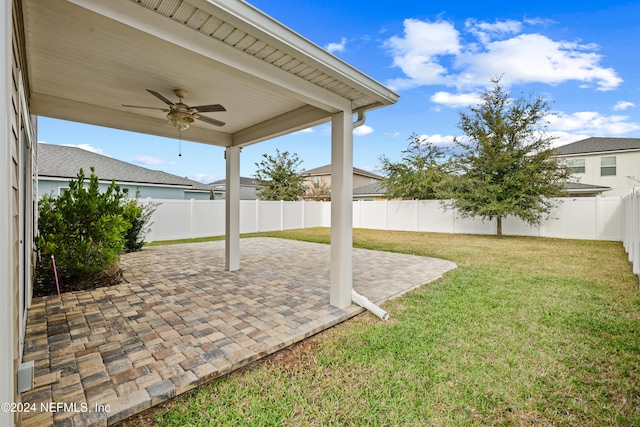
527 331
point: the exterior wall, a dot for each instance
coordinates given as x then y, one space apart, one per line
627 171
16 201
369 198
358 180
188 195
53 187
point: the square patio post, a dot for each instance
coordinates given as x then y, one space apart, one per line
232 209
341 209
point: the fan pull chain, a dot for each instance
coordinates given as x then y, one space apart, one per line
180 143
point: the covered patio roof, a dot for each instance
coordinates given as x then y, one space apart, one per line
88 58
94 61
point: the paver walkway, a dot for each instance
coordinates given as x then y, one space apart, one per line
181 320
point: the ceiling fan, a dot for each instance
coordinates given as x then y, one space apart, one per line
180 115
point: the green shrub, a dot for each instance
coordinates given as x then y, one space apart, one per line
138 215
87 230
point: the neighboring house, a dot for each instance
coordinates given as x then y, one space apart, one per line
248 189
85 61
609 164
578 189
369 192
322 175
57 164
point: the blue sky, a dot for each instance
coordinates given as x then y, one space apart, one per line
582 57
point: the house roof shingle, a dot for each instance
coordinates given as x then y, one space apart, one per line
59 161
369 189
598 145
244 181
326 170
581 186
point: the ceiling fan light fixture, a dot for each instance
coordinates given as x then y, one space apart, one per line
180 120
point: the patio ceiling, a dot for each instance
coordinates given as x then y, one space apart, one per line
86 58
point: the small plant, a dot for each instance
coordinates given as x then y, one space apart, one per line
138 215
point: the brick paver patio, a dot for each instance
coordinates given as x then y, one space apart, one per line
181 320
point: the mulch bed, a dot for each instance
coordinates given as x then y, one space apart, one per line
47 286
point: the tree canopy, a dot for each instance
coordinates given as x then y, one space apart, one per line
419 173
279 178
505 164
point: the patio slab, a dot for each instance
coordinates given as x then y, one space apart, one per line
181 321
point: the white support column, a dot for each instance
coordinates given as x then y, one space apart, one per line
232 210
341 209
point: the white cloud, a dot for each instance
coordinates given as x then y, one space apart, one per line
362 130
337 47
564 138
437 139
436 53
419 51
623 105
372 169
455 100
539 21
87 147
204 178
591 123
534 58
148 160
307 130
485 31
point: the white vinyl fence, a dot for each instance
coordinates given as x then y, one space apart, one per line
592 218
631 227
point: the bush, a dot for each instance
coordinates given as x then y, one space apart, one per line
87 230
138 215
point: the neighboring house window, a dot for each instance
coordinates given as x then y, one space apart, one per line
608 166
62 190
576 165
316 180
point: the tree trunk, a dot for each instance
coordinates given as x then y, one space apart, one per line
499 228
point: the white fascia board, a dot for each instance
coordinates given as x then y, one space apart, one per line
58 108
599 153
157 25
250 19
108 181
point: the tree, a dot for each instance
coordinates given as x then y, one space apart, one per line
419 173
318 191
278 177
505 165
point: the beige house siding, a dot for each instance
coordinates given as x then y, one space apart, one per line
358 180
627 170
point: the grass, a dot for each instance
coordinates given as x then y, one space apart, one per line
527 331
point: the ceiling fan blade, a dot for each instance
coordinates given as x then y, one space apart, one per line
211 121
148 108
160 96
209 108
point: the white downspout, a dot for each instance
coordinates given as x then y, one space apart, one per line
363 302
356 298
362 116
